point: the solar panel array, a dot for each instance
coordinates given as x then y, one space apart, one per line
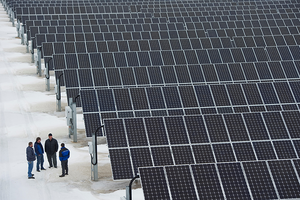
245 180
201 97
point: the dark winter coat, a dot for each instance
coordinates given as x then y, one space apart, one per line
64 154
51 147
30 154
38 148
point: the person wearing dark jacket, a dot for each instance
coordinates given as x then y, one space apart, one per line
64 155
51 147
30 158
39 152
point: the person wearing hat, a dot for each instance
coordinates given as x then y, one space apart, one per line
51 147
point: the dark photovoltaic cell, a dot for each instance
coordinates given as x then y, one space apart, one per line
203 154
292 122
120 157
207 182
259 180
176 130
236 127
154 183
255 126
182 155
275 125
284 149
216 128
264 150
115 133
235 186
162 156
244 151
156 131
180 182
141 157
285 179
223 152
93 124
135 132
196 129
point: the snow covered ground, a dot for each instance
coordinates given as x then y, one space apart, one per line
28 111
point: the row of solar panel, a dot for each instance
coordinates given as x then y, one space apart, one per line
179 97
157 20
148 4
178 57
34 27
106 28
31 25
172 44
206 24
180 140
118 9
180 75
246 180
233 18
273 5
85 16
226 32
138 8
94 120
242 24
280 30
210 131
191 154
70 10
190 25
253 14
135 7
209 2
261 14
290 37
219 8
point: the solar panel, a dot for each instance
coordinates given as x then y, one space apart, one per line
217 93
176 141
246 180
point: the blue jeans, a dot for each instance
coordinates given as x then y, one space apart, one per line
30 167
40 161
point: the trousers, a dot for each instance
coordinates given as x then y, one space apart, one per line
64 167
52 160
40 161
30 167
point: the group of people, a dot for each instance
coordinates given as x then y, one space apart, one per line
36 152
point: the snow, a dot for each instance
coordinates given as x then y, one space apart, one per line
28 111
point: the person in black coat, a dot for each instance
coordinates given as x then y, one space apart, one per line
51 147
30 158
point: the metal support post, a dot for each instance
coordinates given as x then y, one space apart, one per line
22 35
94 159
58 94
128 188
71 126
18 29
39 64
8 12
94 156
12 17
47 75
32 52
74 119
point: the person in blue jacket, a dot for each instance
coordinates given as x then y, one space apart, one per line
39 152
64 155
30 158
